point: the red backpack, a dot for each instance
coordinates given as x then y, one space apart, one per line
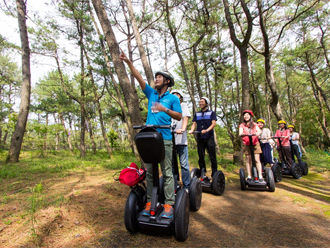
132 175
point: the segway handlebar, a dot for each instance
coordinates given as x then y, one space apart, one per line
154 126
194 132
249 134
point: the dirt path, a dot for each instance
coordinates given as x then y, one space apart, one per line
296 215
86 210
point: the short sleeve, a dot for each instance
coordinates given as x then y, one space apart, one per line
148 91
185 110
213 116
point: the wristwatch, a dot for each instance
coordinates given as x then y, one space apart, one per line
167 110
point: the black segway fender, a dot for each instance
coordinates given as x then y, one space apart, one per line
195 173
181 215
277 172
270 180
161 194
134 205
195 194
296 171
304 167
242 178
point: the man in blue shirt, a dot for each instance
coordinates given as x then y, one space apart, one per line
205 121
162 107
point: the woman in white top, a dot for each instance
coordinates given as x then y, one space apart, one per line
264 138
294 137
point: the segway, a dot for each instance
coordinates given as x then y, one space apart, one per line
215 185
269 181
295 169
276 168
303 164
195 187
150 145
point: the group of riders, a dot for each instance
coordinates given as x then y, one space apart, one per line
263 143
165 108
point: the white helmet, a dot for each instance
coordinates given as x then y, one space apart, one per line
178 92
206 100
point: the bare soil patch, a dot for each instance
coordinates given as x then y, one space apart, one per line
85 209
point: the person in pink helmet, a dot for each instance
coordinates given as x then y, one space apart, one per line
250 127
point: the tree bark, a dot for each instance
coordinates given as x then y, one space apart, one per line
131 99
17 137
139 43
184 70
120 101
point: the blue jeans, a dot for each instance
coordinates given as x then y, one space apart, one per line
182 150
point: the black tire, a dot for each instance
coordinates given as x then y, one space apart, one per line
195 194
296 171
133 207
181 227
304 167
242 178
218 183
277 172
195 173
270 180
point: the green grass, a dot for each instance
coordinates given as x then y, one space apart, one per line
318 159
61 163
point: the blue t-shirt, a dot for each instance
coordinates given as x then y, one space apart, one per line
169 101
204 120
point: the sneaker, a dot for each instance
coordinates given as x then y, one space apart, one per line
167 212
146 210
261 180
249 179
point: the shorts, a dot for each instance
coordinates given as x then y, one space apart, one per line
247 149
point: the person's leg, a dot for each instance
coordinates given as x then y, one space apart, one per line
280 154
258 164
295 149
287 154
247 163
201 154
185 173
166 167
210 146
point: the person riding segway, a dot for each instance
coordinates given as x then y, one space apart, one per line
295 149
266 156
289 167
205 121
162 106
249 131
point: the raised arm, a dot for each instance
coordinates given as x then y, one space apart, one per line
134 71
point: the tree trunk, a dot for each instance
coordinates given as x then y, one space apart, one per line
130 97
120 101
67 133
91 134
177 49
139 43
17 137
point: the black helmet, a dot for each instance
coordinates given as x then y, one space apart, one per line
167 75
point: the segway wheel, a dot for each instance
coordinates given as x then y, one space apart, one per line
195 173
304 167
181 224
296 171
218 183
242 178
133 206
277 172
195 194
270 180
